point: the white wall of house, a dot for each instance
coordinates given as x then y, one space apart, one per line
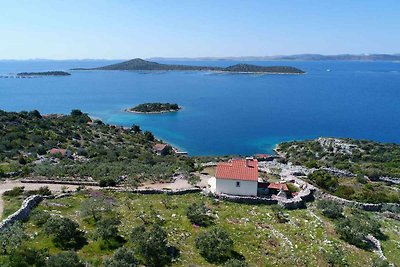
244 188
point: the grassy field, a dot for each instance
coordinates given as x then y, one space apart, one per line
11 205
258 237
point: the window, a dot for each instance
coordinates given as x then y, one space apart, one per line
237 184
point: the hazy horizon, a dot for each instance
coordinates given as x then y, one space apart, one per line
184 57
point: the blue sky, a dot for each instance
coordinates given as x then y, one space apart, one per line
122 29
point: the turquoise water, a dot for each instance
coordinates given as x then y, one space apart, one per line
223 113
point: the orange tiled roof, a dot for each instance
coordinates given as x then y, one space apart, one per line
159 147
57 150
238 169
278 186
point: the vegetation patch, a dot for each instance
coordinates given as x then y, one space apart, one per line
246 235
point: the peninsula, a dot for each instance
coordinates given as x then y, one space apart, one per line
152 108
140 64
45 73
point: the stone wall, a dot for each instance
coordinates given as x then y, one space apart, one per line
391 207
289 203
299 201
167 192
66 182
244 199
27 205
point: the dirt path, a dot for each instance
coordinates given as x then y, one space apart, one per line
10 184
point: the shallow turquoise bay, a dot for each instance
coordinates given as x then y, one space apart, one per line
223 113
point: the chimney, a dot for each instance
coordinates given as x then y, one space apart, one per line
248 160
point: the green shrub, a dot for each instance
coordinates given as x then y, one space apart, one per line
330 209
336 257
39 217
197 214
345 191
215 245
44 191
15 192
28 257
361 179
355 228
104 182
65 259
152 245
122 257
324 180
65 232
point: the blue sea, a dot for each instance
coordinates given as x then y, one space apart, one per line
222 113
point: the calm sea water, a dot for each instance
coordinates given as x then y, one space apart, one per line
223 113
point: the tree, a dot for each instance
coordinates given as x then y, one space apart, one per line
11 238
35 114
324 180
215 245
122 257
355 228
28 257
107 230
152 245
76 112
96 206
65 259
136 129
197 214
149 136
330 209
65 232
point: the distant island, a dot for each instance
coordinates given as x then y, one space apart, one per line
298 57
140 64
152 108
46 73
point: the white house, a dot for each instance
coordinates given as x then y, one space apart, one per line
237 177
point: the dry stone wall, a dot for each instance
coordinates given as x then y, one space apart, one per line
23 213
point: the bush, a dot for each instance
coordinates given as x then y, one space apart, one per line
361 179
11 238
324 180
197 214
215 245
149 136
355 228
292 188
345 191
280 215
65 259
39 217
28 257
330 209
44 191
65 232
76 112
336 257
107 228
152 245
104 182
15 192
122 257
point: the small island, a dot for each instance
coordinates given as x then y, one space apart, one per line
153 108
45 73
139 64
